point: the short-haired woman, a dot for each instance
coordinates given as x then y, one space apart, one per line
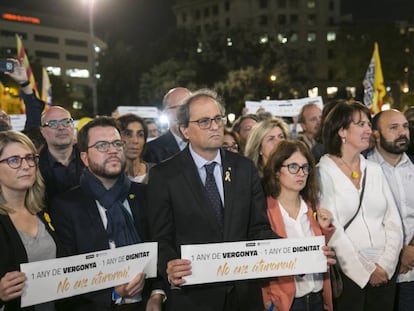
357 193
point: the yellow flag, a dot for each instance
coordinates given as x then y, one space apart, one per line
374 89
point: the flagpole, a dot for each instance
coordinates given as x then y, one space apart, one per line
93 58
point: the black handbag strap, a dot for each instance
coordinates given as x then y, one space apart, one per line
361 196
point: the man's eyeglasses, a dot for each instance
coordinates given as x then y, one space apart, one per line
54 124
103 146
15 162
205 123
294 168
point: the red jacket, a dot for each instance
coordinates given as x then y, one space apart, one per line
281 290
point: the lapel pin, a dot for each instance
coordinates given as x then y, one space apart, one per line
49 221
131 196
227 176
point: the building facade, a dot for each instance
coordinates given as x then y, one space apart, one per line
305 24
70 54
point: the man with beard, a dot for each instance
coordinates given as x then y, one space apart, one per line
59 162
105 211
391 133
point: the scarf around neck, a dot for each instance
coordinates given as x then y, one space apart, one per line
120 228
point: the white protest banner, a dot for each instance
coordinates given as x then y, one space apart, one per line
142 111
220 262
284 108
69 276
253 106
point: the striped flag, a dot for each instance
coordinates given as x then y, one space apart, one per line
46 88
374 89
22 57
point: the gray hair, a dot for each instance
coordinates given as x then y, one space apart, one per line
183 113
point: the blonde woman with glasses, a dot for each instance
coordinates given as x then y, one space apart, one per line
26 232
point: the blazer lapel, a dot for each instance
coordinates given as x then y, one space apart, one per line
230 190
16 243
134 204
192 178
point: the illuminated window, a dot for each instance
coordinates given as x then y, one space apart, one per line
78 73
311 4
331 36
282 38
311 37
294 37
313 92
54 71
331 91
264 39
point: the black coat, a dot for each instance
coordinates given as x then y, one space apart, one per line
179 214
13 252
80 229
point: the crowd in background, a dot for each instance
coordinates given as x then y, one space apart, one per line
347 175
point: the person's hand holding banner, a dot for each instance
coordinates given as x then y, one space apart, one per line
177 269
12 285
69 276
221 262
132 288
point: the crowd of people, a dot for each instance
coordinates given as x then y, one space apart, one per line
346 176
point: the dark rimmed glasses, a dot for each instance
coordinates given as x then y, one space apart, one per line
294 168
54 124
103 145
16 161
205 123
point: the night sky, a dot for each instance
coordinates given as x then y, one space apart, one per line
139 22
134 21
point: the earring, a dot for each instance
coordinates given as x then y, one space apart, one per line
344 140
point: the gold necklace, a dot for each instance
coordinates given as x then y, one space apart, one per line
354 174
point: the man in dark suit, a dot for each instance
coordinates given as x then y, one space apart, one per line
172 141
182 212
105 211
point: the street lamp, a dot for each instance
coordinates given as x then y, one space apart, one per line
91 4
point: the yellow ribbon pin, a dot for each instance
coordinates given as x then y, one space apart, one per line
49 221
227 176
